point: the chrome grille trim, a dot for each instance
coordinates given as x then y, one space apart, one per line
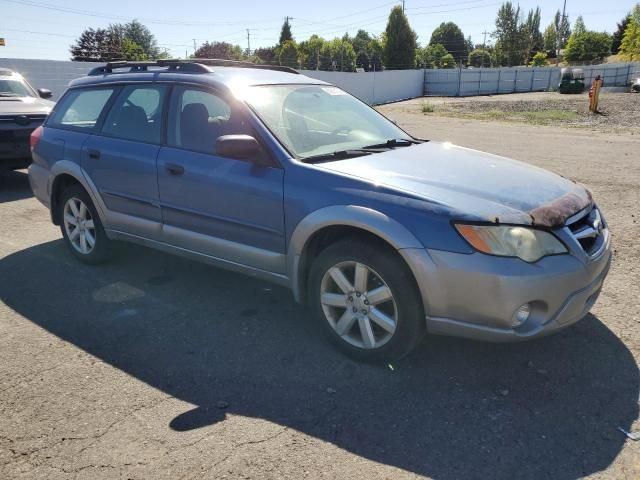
589 231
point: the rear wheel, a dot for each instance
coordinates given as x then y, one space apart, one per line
366 300
81 227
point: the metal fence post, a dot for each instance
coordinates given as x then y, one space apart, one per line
479 81
549 81
628 73
533 77
515 81
499 76
459 80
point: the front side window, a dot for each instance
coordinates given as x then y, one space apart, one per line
14 87
197 118
314 120
137 114
81 108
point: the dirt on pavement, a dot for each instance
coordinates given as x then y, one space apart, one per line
155 367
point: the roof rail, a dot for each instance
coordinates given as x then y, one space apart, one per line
196 65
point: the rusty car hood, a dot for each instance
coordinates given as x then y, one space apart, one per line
473 184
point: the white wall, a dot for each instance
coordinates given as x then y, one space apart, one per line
375 87
52 74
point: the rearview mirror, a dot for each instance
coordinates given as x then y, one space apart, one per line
44 93
241 147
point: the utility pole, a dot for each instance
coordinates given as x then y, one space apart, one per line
402 6
484 41
248 42
194 46
558 39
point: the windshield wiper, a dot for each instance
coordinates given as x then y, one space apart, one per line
337 155
395 142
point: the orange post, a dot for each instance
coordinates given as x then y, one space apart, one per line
594 94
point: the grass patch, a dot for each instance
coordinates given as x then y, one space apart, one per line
534 117
427 107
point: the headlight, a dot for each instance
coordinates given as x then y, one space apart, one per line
510 241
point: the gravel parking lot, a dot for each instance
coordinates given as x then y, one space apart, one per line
617 112
156 367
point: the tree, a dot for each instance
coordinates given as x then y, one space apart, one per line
129 41
531 33
432 56
539 60
550 39
509 35
222 50
563 31
449 35
288 54
361 41
362 60
338 54
400 41
579 27
309 52
99 45
480 58
448 61
619 33
376 50
630 46
266 55
588 47
285 33
142 36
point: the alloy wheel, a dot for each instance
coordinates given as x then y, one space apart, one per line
79 225
358 305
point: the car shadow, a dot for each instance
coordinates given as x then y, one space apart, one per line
14 185
549 408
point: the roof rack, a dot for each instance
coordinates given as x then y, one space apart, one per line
196 65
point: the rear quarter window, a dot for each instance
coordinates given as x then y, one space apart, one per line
81 109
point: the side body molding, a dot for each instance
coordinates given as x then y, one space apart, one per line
373 221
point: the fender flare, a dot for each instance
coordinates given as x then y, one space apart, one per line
67 167
372 221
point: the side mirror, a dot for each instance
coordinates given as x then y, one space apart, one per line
240 147
44 93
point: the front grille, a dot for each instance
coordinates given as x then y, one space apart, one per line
34 120
589 231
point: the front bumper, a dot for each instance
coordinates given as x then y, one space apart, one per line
14 146
476 295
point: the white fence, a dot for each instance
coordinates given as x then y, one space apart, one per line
491 81
375 87
52 74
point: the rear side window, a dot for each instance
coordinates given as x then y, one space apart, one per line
81 108
137 114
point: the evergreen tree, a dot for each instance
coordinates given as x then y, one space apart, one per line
531 32
449 35
509 35
619 33
400 42
285 33
579 27
630 46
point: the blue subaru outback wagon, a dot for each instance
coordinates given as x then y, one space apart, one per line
286 178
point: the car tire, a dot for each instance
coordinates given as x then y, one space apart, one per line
376 319
81 227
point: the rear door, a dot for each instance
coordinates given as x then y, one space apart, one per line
121 159
230 209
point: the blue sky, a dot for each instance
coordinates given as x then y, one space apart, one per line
33 31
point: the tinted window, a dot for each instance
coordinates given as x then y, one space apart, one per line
81 108
198 118
137 114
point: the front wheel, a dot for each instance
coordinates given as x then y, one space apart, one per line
366 300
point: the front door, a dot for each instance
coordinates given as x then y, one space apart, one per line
121 160
226 208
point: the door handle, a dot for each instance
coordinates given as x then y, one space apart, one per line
93 153
174 169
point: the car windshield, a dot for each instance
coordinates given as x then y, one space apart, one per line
317 120
10 87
